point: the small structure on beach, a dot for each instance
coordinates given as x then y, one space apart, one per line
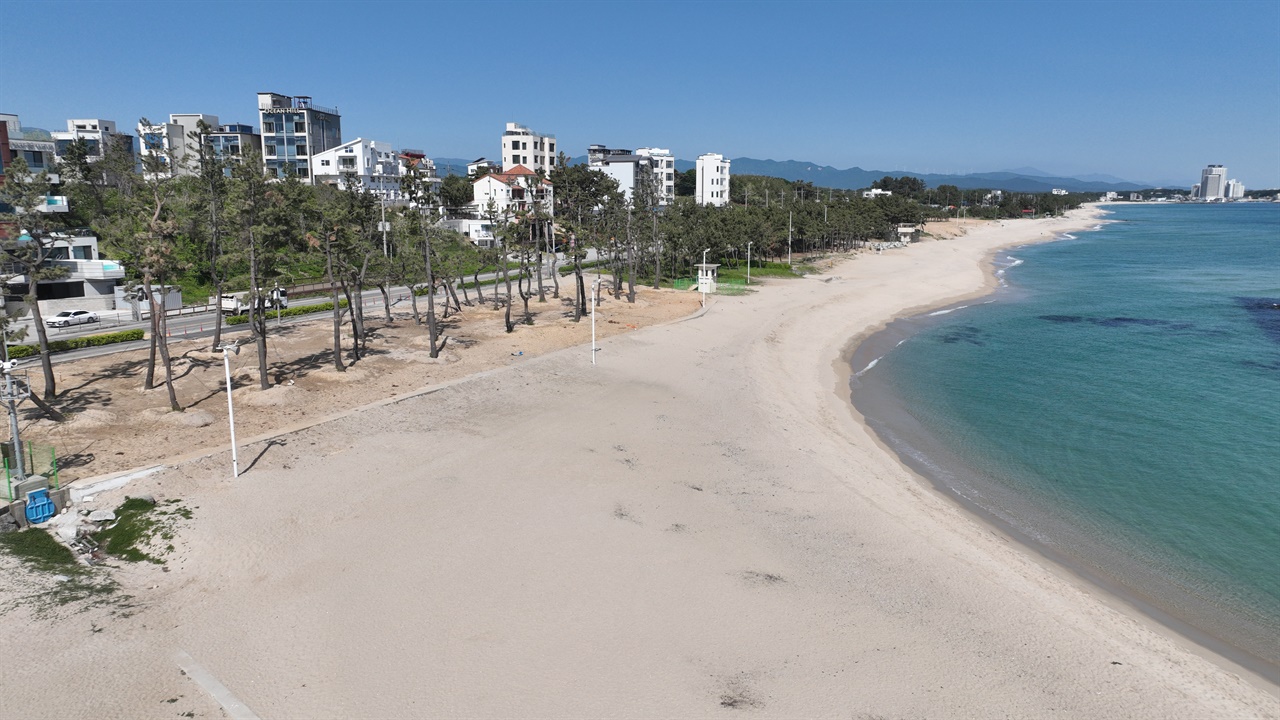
907 232
707 277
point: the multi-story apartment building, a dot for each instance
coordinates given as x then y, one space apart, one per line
1234 190
1213 182
712 184
370 165
512 192
164 142
234 140
522 146
480 166
629 168
88 285
293 131
97 134
664 173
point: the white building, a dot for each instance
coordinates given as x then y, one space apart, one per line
1058 191
522 146
368 164
1235 189
627 168
480 166
89 284
96 133
162 141
1213 182
512 191
874 193
663 164
479 231
712 179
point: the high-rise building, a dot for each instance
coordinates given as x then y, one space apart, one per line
628 168
293 130
1234 190
522 146
1213 182
712 179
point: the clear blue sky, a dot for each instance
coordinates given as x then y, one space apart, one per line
1149 91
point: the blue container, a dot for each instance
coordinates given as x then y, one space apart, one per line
39 506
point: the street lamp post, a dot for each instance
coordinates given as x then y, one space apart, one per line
227 349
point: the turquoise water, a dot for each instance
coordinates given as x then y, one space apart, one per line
1118 402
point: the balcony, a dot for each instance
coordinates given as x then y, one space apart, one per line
90 269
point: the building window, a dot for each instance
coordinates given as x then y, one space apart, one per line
268 127
302 172
270 150
302 150
324 163
551 148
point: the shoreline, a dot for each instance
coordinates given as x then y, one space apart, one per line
869 348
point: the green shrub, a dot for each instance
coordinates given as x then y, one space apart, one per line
55 346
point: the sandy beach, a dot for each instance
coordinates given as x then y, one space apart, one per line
699 525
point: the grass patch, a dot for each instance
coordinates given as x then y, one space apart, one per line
41 551
138 525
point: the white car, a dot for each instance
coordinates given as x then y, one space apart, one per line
68 318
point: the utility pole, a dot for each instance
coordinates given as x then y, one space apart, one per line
748 263
227 349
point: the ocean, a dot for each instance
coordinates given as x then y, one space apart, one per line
1115 404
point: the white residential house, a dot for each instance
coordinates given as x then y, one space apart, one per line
479 231
97 134
369 164
874 193
1058 191
533 150
90 282
479 166
510 192
712 186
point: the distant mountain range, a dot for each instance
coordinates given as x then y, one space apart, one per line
1024 179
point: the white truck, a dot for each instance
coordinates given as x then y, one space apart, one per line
238 304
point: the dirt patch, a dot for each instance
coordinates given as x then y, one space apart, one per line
115 425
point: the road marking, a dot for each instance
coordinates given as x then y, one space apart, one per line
235 709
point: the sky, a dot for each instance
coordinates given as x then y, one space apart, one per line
1146 91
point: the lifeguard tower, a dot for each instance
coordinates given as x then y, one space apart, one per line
707 277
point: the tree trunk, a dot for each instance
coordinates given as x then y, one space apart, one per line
413 302
386 298
462 283
480 293
337 308
555 272
542 294
506 276
526 276
657 255
42 333
149 382
257 317
213 272
160 327
453 293
432 329
355 325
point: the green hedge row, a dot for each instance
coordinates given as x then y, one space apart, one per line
289 312
21 351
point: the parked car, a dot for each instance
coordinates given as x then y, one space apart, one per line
68 318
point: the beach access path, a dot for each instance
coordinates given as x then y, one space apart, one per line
698 526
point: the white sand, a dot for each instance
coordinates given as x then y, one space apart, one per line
698 526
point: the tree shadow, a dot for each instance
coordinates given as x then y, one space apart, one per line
115 371
274 442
